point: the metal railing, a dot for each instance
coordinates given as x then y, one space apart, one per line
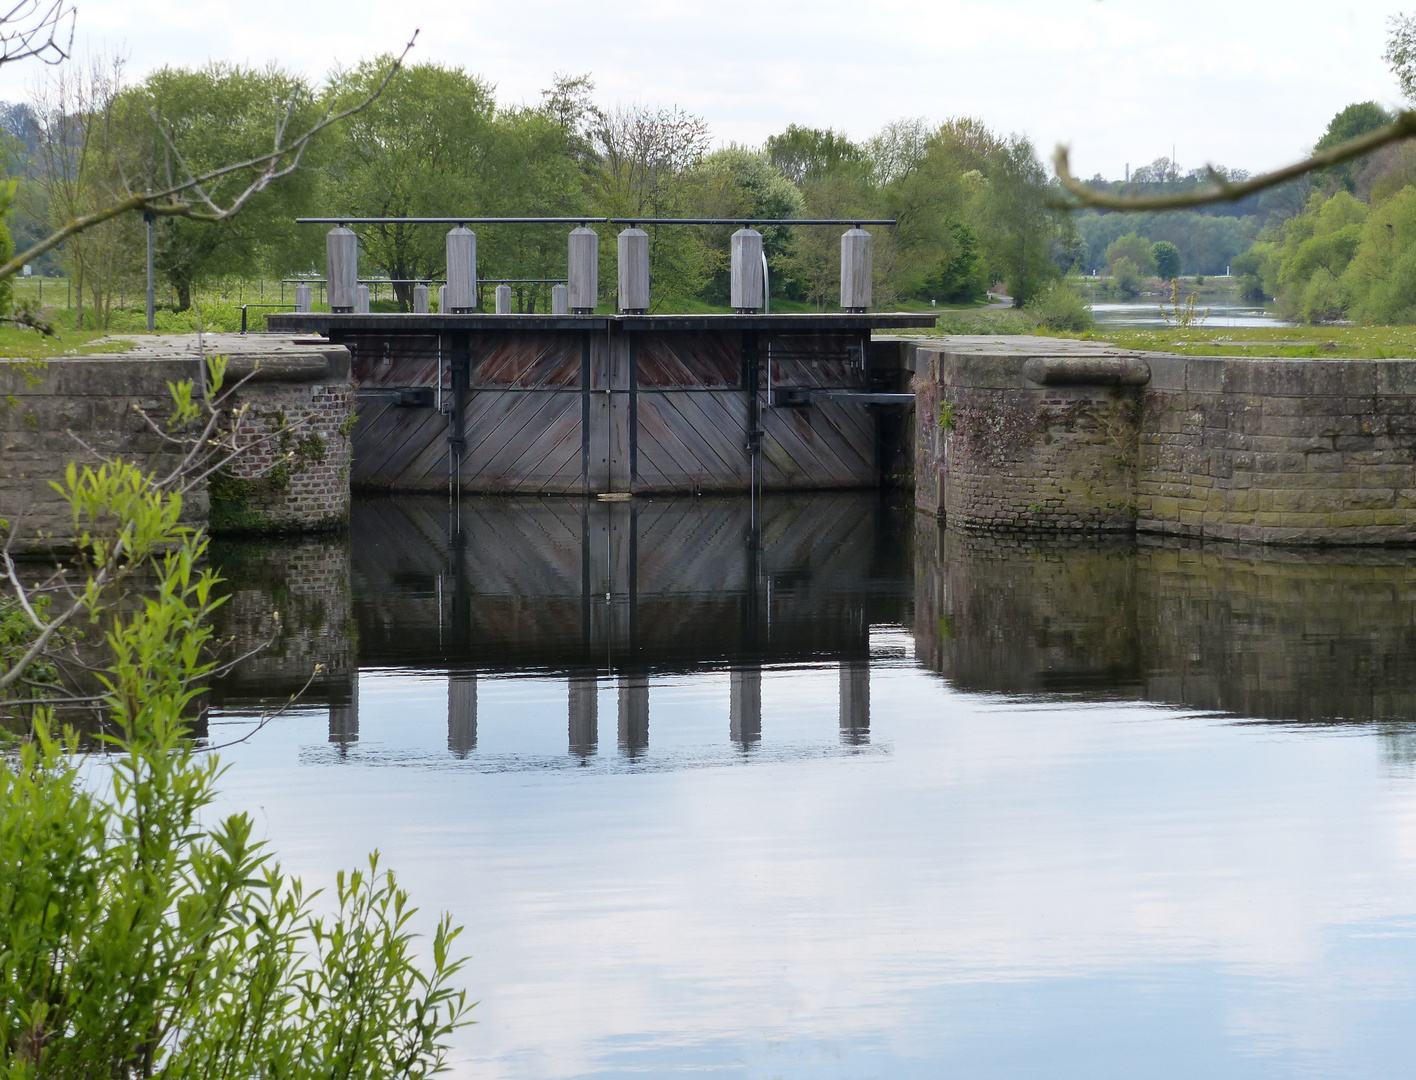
245 306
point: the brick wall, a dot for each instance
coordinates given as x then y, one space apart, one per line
995 450
85 409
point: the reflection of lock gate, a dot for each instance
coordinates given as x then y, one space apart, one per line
598 593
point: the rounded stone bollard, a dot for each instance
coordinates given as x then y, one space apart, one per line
503 299
583 270
420 299
461 269
560 300
856 269
746 284
442 299
341 267
361 299
634 271
302 298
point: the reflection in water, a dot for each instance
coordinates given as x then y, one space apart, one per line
1040 834
1262 633
586 590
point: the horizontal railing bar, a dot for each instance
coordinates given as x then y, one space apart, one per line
588 221
448 220
752 221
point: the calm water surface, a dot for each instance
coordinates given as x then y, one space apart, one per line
817 790
1147 315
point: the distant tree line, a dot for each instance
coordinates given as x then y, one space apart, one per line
974 207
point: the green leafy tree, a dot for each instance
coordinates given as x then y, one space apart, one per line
1019 222
1134 247
205 117
1355 120
803 154
1166 257
735 182
420 150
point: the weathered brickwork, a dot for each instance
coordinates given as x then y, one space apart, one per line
293 474
996 452
1035 434
85 409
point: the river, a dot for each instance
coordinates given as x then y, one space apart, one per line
1148 315
813 788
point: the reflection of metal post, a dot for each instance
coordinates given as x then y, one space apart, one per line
344 719
855 702
460 363
584 715
633 714
745 706
462 713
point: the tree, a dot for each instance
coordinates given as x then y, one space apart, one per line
1134 247
213 195
1126 276
209 116
803 154
1359 119
74 170
418 151
1166 257
644 157
1018 221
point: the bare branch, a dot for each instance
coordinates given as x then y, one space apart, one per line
34 29
1403 127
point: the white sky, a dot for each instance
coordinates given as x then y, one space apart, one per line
1246 83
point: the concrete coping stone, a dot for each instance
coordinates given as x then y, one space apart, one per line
258 358
1086 371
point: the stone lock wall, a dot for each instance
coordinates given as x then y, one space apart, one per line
1037 434
85 409
1050 448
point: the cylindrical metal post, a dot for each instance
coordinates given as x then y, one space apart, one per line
361 299
746 284
442 299
634 271
341 267
461 269
151 299
583 270
856 269
560 300
503 299
302 298
420 299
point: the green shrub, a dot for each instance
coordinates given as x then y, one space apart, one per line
1126 277
1062 308
142 938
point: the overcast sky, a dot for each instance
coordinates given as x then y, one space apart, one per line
1247 84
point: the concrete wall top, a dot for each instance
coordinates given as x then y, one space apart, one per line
155 361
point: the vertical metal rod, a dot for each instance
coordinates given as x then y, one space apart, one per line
151 307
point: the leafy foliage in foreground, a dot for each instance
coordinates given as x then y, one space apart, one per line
136 940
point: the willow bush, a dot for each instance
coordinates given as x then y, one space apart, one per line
138 939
